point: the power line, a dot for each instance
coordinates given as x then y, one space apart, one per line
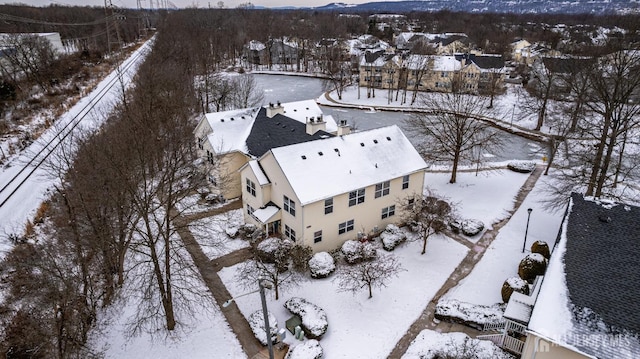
9 17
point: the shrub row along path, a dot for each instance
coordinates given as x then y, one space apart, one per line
209 271
476 252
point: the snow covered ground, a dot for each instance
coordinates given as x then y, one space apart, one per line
501 259
211 233
361 327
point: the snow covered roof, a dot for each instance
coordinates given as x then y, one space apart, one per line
230 129
417 62
332 166
588 301
266 214
252 132
446 63
256 45
260 176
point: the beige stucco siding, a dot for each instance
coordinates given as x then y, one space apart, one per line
538 348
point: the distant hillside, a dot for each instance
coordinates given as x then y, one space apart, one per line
500 6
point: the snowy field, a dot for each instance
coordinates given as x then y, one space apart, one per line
501 259
360 327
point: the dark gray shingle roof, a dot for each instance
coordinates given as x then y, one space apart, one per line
602 262
278 131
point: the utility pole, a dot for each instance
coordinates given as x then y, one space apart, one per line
111 20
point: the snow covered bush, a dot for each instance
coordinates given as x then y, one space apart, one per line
472 315
314 319
321 265
471 227
430 344
532 266
271 247
310 349
392 236
356 251
521 166
542 248
513 284
256 322
245 232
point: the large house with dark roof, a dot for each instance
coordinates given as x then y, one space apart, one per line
323 192
228 140
587 304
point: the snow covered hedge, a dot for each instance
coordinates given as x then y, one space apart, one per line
468 227
392 236
521 166
321 265
314 319
513 284
356 251
531 266
268 249
310 349
472 315
542 248
430 344
256 322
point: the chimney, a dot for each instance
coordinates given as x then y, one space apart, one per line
316 124
273 110
343 128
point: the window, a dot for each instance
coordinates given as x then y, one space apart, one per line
289 206
444 74
382 189
250 210
356 197
328 205
209 157
405 182
388 211
317 236
345 227
201 143
251 187
411 202
289 233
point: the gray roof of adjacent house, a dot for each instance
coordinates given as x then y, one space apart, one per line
595 308
566 65
603 261
278 131
483 61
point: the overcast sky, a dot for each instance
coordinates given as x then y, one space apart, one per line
183 3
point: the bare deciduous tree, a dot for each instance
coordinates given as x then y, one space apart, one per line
428 214
367 275
453 130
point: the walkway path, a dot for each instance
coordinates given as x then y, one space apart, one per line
209 271
477 250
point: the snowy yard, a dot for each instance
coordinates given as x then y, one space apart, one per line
361 327
501 259
211 233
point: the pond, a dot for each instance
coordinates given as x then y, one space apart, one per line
285 88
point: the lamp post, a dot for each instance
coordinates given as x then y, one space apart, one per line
529 210
262 285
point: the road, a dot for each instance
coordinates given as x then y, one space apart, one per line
25 182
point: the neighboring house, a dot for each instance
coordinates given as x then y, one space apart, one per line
321 193
379 69
451 44
255 52
228 140
482 73
529 54
586 305
275 51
